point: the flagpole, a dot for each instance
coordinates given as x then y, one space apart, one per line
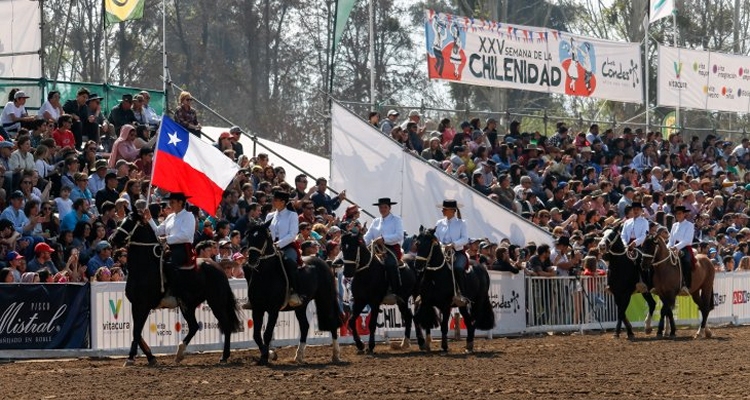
153 162
372 53
164 54
647 70
679 98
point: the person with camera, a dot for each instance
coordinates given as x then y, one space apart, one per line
559 257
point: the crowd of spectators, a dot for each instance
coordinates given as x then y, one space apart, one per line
578 183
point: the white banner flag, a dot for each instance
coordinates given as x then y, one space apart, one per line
21 35
488 53
659 9
703 80
370 165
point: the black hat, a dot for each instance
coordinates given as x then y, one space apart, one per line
127 97
450 204
99 164
636 205
680 209
563 240
175 196
93 97
281 195
17 195
384 201
110 175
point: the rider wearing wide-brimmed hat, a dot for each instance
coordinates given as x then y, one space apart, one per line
453 233
388 230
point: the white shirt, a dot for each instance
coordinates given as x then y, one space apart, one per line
96 183
178 228
151 116
390 228
22 161
11 109
453 232
284 227
681 235
634 228
48 107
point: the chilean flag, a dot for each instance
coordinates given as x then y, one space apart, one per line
184 163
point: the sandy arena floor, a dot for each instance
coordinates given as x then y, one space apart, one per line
592 366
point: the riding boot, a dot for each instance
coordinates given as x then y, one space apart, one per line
394 281
295 299
458 299
686 271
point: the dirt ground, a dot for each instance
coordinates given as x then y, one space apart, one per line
591 366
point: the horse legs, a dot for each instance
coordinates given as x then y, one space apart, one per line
189 314
139 321
258 336
407 318
622 303
651 308
336 357
470 329
373 326
304 327
444 328
703 301
356 311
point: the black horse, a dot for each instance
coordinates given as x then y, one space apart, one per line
623 278
143 289
267 288
369 286
436 292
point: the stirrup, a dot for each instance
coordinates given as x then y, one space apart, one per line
247 305
459 301
684 291
294 300
168 302
390 299
641 287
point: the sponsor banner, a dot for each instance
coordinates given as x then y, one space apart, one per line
488 53
20 37
741 296
44 316
723 293
703 80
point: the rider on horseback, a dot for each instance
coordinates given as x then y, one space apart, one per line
635 230
388 230
177 231
284 229
453 234
681 238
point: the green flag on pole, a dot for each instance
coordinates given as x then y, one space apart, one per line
343 10
123 10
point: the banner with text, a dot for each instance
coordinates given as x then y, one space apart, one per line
44 316
703 80
488 53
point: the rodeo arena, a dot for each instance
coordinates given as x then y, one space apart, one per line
145 255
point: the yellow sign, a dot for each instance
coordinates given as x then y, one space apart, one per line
123 10
669 125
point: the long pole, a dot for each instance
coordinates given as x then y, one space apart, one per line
372 54
164 54
677 110
646 69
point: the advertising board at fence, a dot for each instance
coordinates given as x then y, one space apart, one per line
44 316
703 80
488 53
508 303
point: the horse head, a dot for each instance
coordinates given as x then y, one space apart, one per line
128 230
611 242
649 249
428 249
259 243
354 252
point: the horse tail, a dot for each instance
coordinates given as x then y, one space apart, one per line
325 296
221 299
485 315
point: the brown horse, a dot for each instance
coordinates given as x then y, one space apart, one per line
668 280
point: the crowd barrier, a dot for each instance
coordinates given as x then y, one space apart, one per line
37 320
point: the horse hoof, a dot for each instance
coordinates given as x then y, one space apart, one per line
336 360
468 351
273 355
129 363
406 344
672 337
708 334
616 336
631 337
180 353
648 331
152 362
360 352
659 336
370 351
262 362
223 361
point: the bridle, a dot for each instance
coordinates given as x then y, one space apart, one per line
632 255
672 257
262 254
429 257
129 242
361 267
